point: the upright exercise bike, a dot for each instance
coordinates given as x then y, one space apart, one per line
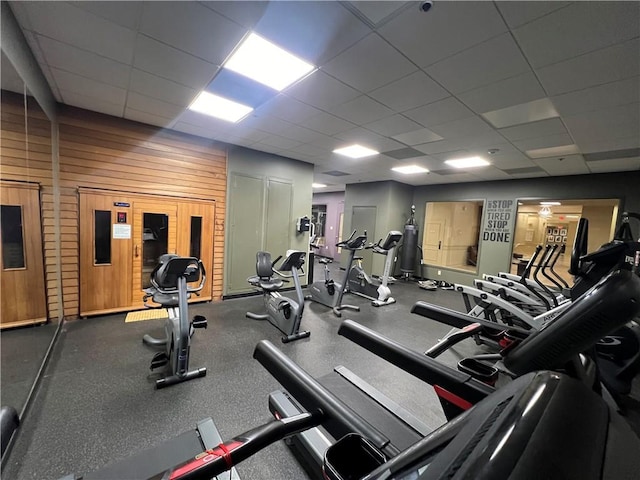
328 292
360 283
169 288
283 313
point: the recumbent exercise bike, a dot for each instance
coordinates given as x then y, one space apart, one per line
282 312
169 288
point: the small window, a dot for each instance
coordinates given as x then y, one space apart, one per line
102 237
12 237
196 237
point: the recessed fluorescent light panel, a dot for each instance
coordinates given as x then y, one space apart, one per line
267 63
553 151
410 169
550 203
355 151
219 107
524 113
318 185
467 162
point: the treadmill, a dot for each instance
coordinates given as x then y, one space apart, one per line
610 304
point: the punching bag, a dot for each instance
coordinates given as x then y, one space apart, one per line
409 246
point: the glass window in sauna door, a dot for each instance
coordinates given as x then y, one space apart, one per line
155 242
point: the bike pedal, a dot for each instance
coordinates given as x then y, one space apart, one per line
199 322
160 359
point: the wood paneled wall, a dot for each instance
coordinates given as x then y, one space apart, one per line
110 153
25 155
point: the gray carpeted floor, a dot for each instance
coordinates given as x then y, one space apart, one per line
97 402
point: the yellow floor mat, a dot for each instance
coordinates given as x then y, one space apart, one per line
151 314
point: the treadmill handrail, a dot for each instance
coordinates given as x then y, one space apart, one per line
420 366
341 419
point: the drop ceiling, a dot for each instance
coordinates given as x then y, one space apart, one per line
551 88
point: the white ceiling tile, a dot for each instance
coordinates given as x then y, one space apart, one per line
460 128
616 165
246 13
417 137
614 122
577 29
315 31
192 28
505 162
504 93
441 157
288 108
361 110
329 143
595 68
212 124
602 96
147 118
87 87
409 92
413 32
393 125
376 11
442 111
87 64
524 113
521 12
322 91
569 165
359 66
491 173
369 139
311 150
483 64
92 103
167 62
82 29
544 142
153 106
552 126
278 142
123 13
161 88
599 145
326 123
282 128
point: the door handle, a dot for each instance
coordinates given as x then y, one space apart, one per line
136 251
439 244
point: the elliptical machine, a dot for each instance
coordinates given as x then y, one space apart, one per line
330 293
360 283
282 312
169 288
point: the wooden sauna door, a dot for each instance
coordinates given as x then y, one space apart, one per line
122 237
106 247
22 279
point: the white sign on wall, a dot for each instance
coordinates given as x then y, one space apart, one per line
121 231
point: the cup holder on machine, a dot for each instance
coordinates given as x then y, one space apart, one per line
350 458
479 370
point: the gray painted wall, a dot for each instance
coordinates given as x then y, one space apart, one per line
266 166
494 256
393 202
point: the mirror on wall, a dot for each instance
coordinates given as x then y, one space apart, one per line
29 319
554 222
451 234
